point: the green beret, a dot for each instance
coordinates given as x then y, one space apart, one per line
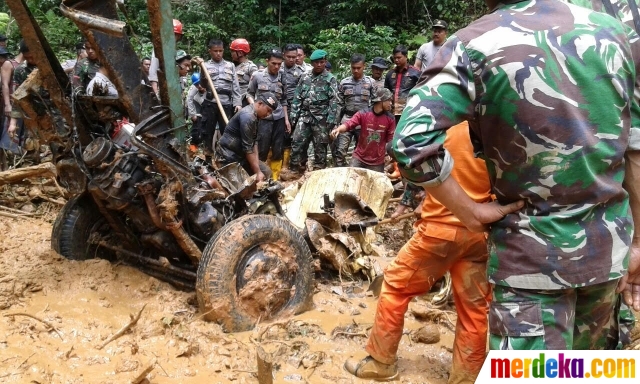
318 54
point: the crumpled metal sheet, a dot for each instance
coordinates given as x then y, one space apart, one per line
352 212
339 249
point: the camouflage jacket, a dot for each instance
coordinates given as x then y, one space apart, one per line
223 76
548 89
244 71
353 96
84 71
262 81
291 78
378 83
20 74
314 99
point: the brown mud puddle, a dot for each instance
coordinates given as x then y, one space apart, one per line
89 301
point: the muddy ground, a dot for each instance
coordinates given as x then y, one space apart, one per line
82 304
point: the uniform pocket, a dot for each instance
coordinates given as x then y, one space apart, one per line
516 325
398 274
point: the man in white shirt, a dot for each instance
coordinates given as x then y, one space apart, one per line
428 51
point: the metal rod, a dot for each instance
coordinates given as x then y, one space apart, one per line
151 262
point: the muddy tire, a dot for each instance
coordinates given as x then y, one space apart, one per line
75 223
256 267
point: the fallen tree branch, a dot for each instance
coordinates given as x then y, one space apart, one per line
38 319
19 212
15 176
124 329
12 215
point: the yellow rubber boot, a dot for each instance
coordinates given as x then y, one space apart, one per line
276 166
285 158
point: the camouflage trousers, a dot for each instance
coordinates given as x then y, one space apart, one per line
578 318
340 146
303 134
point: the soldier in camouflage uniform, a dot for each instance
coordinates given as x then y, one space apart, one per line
223 76
621 10
552 111
292 73
20 74
244 67
354 94
313 112
85 69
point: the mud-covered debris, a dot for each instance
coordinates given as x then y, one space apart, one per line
313 359
424 313
348 331
429 334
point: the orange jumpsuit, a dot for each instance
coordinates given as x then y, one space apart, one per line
442 244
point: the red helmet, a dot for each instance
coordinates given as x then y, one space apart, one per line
240 45
177 26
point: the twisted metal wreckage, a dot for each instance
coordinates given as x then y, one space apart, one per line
184 222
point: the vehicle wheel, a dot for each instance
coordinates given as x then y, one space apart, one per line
75 223
257 267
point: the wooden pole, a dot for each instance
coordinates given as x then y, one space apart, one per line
203 67
265 366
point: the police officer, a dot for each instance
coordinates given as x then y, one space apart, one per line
223 76
313 112
354 94
245 68
271 130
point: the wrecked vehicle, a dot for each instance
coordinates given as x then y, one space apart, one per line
138 199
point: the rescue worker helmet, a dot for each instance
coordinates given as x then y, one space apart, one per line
240 45
195 78
177 26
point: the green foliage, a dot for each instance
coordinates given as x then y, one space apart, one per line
343 42
371 27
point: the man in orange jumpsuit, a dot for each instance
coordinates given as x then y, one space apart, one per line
440 244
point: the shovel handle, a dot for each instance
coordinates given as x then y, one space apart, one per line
399 218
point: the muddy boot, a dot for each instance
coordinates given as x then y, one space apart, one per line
285 158
289 174
370 368
276 167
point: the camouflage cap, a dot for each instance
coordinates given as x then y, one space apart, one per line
180 54
382 94
318 54
269 99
